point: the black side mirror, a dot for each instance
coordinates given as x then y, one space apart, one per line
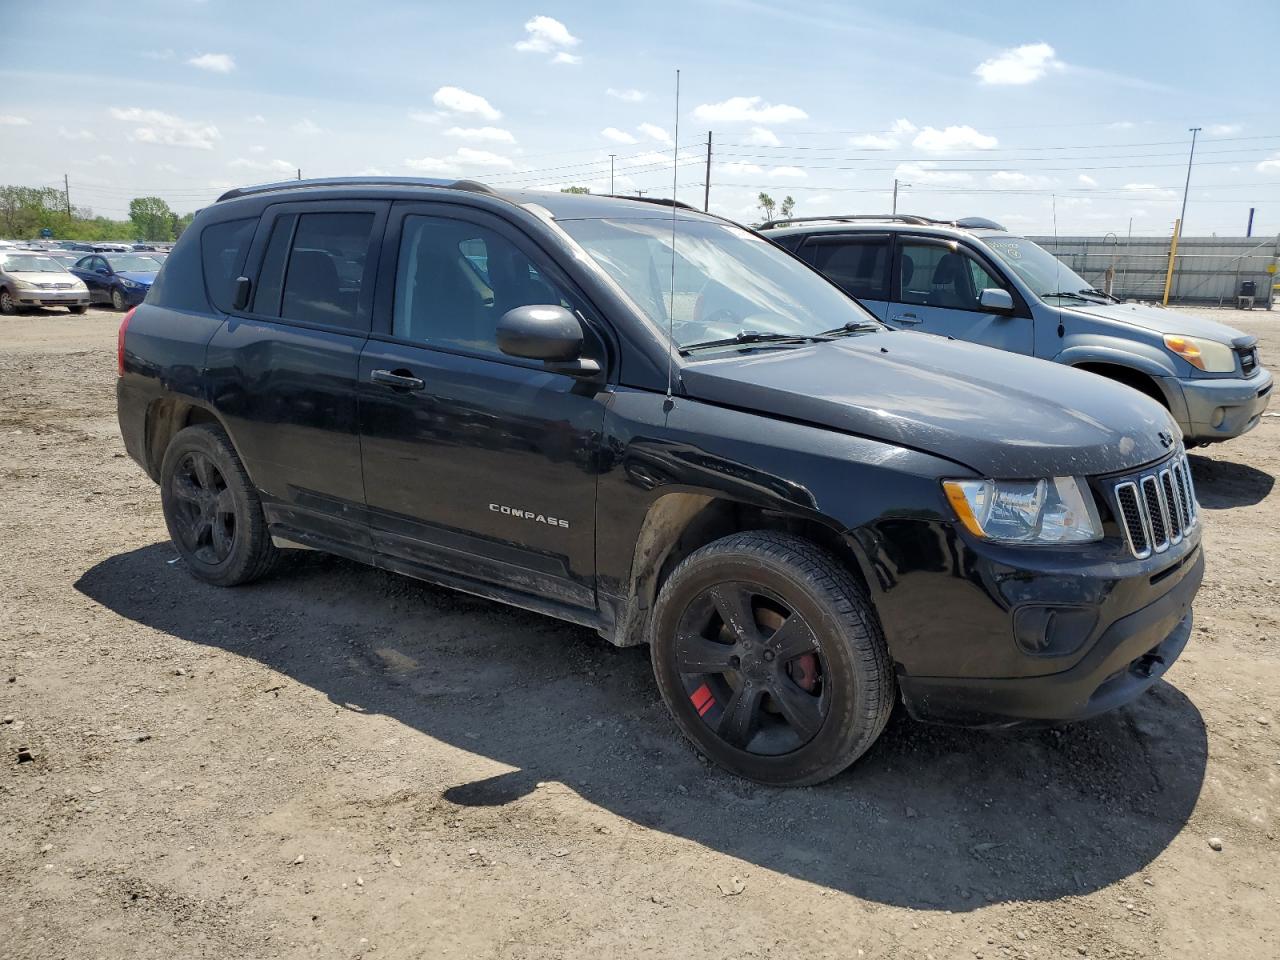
549 333
103 270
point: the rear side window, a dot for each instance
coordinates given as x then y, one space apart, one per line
314 269
223 247
858 266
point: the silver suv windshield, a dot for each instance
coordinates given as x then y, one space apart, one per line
1044 273
730 285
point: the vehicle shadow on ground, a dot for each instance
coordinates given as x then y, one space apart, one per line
931 818
1222 484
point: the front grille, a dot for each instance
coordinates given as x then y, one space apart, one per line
54 286
1158 507
1248 360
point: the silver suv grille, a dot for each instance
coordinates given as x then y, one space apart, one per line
1158 507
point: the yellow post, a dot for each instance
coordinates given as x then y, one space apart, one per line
1173 252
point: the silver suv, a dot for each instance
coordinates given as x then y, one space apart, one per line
972 280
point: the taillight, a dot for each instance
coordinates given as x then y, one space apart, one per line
124 326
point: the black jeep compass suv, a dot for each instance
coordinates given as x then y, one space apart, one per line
656 423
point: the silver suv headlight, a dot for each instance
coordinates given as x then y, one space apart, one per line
1050 511
1207 355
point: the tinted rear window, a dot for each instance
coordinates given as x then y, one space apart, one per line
223 247
320 278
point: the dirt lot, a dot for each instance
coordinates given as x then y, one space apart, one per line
341 762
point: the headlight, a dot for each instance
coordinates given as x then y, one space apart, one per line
23 284
129 284
1057 510
78 284
1207 355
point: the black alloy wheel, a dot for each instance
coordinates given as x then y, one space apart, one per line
204 508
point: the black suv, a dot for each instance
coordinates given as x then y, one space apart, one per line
656 423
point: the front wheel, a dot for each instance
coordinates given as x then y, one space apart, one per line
770 659
212 510
8 305
117 299
78 309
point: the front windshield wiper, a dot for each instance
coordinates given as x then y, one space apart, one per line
749 337
1106 297
854 326
1069 293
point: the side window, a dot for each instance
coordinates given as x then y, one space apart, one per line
223 247
858 266
455 280
314 269
942 275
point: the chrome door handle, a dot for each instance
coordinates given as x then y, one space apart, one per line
907 318
397 381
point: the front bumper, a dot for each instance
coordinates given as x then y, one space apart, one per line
1129 656
1222 409
133 295
51 298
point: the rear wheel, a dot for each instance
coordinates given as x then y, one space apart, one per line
79 308
117 299
770 659
212 510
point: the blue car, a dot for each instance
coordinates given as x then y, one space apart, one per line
120 279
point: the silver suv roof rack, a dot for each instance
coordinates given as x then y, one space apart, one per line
472 185
967 223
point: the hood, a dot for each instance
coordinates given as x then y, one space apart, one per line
137 277
1003 415
1162 321
45 277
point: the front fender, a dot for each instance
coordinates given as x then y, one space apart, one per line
1142 357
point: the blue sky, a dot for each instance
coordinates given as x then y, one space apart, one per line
1004 110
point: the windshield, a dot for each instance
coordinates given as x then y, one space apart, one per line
727 280
18 263
125 263
1040 270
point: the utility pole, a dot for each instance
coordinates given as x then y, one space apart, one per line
895 193
66 190
611 157
299 173
1187 187
706 187
1248 230
641 193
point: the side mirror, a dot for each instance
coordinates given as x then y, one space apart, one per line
240 293
996 300
102 270
549 333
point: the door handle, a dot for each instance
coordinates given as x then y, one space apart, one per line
398 379
907 318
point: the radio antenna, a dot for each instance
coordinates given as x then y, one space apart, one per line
671 301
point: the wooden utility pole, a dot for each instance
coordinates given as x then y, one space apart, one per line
1173 254
706 187
66 192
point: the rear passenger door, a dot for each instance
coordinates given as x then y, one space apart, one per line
284 366
857 262
476 463
938 285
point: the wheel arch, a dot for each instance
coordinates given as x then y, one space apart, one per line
1139 380
678 523
168 415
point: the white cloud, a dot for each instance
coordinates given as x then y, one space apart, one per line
460 101
654 132
9 120
1010 178
626 95
786 173
483 158
953 138
431 165
82 134
1086 180
927 172
1018 65
762 137
214 62
617 136
1272 163
271 166
164 129
307 127
647 159
748 110
739 167
886 140
1151 190
459 160
257 119
1223 129
492 134
548 35
374 172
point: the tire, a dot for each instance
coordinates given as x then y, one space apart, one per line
212 510
809 714
78 309
8 305
117 299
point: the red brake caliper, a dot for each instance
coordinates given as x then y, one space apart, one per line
804 671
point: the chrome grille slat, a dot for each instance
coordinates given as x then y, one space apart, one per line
1157 508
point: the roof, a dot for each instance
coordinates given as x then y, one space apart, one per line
562 206
877 223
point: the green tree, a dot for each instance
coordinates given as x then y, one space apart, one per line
575 189
787 207
182 223
151 218
767 205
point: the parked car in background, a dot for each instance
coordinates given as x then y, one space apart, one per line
34 280
107 247
120 279
68 258
805 515
973 280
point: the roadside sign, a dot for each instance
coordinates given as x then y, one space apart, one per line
1271 268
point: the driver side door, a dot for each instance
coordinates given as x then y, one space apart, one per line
937 289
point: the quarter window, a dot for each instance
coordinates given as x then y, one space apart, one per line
223 247
455 280
860 267
942 275
314 269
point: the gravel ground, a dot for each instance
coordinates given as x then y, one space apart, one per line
341 762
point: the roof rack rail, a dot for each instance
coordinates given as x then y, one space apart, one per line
849 218
661 201
472 185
